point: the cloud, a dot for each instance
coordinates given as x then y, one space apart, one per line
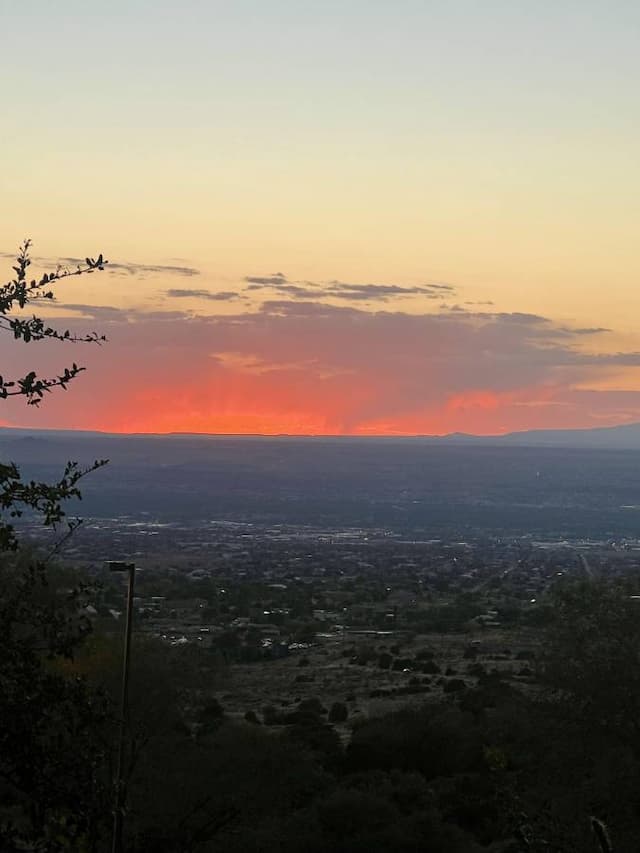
625 359
284 308
309 366
273 280
184 293
336 289
342 290
103 313
111 314
296 290
142 270
521 319
114 266
592 330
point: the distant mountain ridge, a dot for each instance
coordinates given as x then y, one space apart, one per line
623 437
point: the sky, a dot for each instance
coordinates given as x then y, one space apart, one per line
355 217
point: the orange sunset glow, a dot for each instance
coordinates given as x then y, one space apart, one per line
311 368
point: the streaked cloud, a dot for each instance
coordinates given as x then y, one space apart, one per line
307 366
193 293
273 280
143 270
336 289
111 314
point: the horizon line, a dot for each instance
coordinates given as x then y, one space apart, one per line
432 436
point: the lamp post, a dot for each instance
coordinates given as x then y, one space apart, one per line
116 566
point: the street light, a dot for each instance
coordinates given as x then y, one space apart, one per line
118 566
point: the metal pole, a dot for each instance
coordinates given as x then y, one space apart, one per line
119 788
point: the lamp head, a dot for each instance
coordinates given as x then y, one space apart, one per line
120 566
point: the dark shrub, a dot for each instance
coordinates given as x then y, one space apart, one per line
338 712
312 704
433 740
270 716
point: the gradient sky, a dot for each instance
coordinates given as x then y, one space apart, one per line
344 217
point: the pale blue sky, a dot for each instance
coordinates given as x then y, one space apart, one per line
270 66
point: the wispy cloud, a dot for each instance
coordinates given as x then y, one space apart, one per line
143 270
111 314
343 290
193 293
272 280
298 291
591 330
115 266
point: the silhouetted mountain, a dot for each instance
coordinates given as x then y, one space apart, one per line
624 437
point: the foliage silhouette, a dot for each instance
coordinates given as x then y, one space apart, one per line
16 495
54 730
